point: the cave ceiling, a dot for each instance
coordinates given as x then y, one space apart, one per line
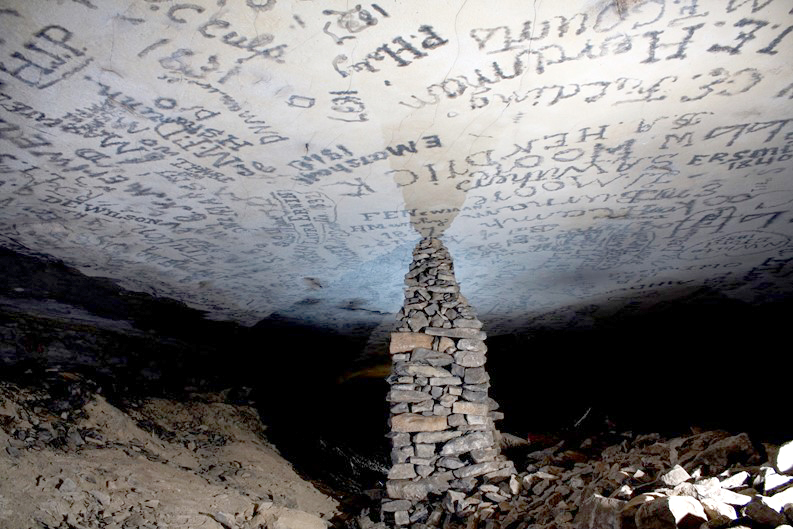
253 158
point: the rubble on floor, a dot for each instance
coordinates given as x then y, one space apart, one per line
71 460
706 480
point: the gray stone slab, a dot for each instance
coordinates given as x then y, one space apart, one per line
475 334
396 505
475 375
400 407
409 422
402 471
466 443
470 358
399 438
446 381
404 395
451 462
470 408
470 344
431 357
478 469
418 321
435 437
419 370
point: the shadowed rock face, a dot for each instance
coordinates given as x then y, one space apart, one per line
256 159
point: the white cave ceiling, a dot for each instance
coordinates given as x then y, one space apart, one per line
259 157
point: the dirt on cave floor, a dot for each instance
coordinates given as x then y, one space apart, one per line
71 459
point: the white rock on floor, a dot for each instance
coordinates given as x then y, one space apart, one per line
780 499
772 480
675 477
784 458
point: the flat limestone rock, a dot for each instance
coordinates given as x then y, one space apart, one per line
402 342
469 344
420 370
403 489
396 505
471 408
410 422
466 443
407 395
478 469
402 471
444 343
450 289
476 375
475 334
435 437
431 357
451 462
474 396
470 358
446 381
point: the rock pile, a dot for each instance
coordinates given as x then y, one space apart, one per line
444 441
708 480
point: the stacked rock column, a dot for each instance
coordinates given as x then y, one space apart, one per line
444 442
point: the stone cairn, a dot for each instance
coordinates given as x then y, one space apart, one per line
445 447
